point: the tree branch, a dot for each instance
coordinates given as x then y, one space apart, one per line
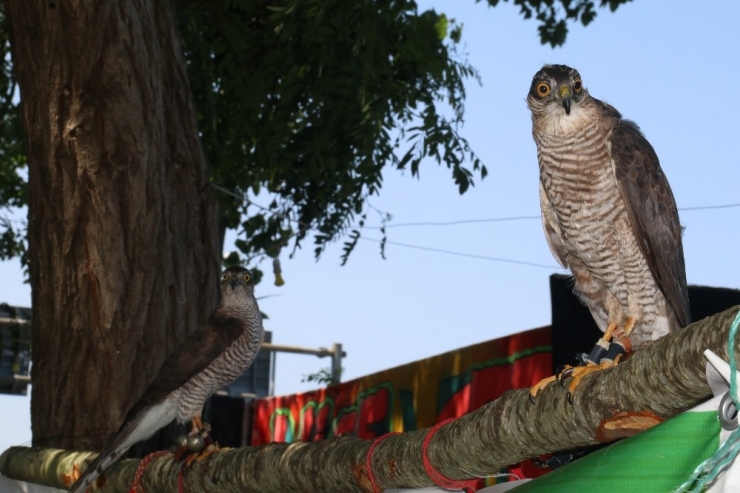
662 378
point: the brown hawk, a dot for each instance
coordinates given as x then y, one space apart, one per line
609 216
211 357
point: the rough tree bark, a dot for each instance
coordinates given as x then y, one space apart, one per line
122 234
661 380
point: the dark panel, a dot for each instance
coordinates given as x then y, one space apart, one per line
706 301
574 330
227 420
15 348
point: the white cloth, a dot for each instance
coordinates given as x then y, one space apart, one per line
8 485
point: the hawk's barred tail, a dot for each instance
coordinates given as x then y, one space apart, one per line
147 422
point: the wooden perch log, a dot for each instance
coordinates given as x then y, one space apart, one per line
662 378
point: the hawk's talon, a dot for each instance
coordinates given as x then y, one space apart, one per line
534 389
197 457
606 353
210 450
582 371
198 443
565 373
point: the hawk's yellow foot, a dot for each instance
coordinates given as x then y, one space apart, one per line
577 373
606 353
534 389
198 444
210 450
198 427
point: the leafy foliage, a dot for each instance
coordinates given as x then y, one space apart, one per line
302 103
12 154
554 14
322 377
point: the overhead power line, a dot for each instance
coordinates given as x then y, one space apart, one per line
461 254
705 207
523 218
450 223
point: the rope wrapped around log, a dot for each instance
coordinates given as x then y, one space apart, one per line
662 378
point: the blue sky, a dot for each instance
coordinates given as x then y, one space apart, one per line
674 71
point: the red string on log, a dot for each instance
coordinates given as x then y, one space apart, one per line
369 460
135 487
470 485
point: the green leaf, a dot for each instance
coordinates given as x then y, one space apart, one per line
441 27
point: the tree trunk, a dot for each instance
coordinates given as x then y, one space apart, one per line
122 232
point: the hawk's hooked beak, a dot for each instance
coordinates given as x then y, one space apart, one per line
234 282
565 96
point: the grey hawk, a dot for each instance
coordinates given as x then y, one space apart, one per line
609 216
206 360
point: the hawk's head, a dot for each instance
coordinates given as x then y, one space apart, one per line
236 281
555 89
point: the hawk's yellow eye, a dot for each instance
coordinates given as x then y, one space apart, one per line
247 277
543 89
578 86
225 277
